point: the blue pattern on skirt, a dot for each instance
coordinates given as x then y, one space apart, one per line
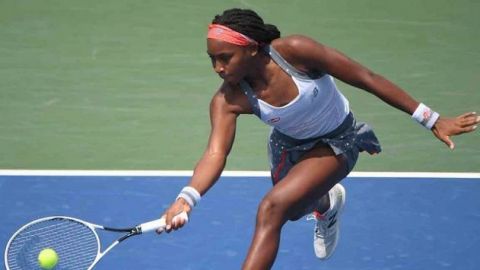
348 139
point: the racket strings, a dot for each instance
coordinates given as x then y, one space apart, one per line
75 243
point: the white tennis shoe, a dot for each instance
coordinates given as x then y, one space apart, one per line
327 227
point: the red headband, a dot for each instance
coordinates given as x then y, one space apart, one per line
223 33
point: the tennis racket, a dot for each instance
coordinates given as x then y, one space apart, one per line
75 241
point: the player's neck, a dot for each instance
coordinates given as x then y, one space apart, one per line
259 73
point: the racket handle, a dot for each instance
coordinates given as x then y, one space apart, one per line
160 223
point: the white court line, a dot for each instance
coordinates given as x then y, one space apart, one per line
186 173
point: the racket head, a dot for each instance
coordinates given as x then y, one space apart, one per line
75 241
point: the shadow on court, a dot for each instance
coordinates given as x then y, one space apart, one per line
388 223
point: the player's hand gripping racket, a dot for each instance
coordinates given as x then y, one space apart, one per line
75 241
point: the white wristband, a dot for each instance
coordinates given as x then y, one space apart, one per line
425 116
190 195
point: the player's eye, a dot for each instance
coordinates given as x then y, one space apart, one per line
225 58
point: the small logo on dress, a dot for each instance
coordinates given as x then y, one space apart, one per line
273 120
315 92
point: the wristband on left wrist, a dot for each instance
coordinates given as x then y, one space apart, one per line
425 116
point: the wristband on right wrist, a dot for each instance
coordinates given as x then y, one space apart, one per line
190 195
425 116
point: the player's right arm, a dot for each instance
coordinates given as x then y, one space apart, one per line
225 107
211 164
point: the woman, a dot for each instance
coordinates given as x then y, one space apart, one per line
288 83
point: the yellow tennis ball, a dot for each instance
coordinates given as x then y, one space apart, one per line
47 258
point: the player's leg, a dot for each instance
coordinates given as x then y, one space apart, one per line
311 178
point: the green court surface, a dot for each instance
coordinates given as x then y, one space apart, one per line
127 84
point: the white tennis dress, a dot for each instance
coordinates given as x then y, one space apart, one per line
318 109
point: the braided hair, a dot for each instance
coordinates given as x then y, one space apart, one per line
248 22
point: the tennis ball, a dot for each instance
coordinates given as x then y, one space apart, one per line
47 258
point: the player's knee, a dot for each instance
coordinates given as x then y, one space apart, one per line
270 211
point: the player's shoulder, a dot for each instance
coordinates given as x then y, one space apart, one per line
227 91
230 98
298 49
292 40
295 44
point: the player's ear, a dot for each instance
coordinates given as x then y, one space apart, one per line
253 49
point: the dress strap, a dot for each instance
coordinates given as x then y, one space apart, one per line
252 98
287 67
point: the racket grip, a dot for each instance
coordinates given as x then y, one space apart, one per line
160 223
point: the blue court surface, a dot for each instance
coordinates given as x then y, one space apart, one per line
389 223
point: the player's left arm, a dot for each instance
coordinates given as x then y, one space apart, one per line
315 57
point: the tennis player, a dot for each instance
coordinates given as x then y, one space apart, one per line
288 82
